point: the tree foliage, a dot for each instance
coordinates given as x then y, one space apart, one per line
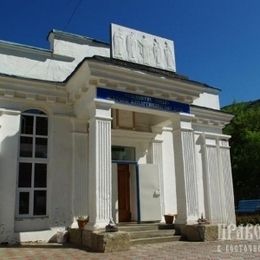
245 148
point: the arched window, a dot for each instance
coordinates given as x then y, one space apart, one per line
32 174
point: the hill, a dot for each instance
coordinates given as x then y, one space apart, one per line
245 148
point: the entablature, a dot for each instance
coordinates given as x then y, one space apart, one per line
35 90
135 81
210 117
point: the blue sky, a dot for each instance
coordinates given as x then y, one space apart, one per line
216 41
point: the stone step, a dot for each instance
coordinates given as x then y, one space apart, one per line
137 227
151 233
154 240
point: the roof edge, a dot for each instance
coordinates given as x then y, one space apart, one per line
32 49
170 75
58 34
43 81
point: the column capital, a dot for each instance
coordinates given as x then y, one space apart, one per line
183 122
100 109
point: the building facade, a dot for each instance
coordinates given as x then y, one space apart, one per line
82 133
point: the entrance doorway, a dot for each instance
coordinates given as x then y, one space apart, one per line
123 181
125 185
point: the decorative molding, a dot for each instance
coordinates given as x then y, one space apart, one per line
210 118
26 89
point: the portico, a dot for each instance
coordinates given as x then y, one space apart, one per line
166 142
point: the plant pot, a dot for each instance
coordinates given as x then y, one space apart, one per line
82 223
168 219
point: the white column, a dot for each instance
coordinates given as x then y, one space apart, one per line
224 155
212 181
219 199
186 175
100 166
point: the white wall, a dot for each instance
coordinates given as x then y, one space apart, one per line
30 63
60 172
80 174
208 100
199 169
133 192
9 142
114 194
33 67
170 197
77 50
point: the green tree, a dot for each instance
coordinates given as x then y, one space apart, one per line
245 148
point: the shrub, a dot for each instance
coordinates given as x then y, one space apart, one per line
248 219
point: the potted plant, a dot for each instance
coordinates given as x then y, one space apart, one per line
82 221
202 220
168 218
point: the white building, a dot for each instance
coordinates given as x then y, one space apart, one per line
82 133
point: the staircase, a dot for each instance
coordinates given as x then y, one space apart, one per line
149 233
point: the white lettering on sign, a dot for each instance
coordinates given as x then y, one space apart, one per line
142 48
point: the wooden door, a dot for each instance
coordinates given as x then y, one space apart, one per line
124 193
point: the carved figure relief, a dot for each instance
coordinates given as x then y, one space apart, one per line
157 52
144 50
118 41
168 56
131 46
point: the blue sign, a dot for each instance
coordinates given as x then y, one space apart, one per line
142 101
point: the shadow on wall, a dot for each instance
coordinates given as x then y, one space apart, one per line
8 170
12 229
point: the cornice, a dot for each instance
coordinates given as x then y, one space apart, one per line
210 117
136 81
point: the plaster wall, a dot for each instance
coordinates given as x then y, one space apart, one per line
133 192
60 172
169 180
142 122
199 169
114 193
80 174
30 64
9 141
59 186
141 146
79 50
207 100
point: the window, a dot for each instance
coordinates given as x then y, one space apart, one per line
32 170
123 153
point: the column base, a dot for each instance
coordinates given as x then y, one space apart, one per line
91 226
100 241
185 221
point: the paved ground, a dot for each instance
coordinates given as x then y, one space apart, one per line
170 250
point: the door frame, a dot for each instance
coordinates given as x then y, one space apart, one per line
137 184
